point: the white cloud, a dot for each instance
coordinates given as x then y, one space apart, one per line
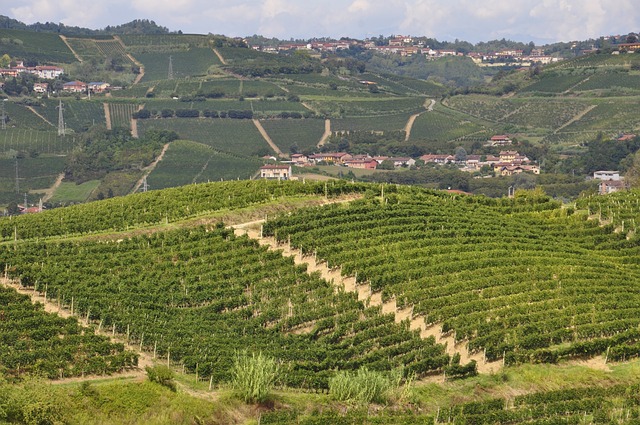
553 20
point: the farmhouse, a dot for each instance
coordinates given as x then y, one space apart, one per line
40 87
99 87
403 161
437 159
499 140
331 157
367 164
275 172
47 72
299 159
75 87
607 175
610 186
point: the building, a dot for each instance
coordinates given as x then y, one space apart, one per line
299 159
47 72
75 87
607 175
499 140
610 186
331 157
40 87
437 159
367 164
403 162
99 87
275 172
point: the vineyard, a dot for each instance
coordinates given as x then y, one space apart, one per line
34 175
35 342
185 63
239 137
380 123
287 132
45 47
19 116
552 287
99 50
121 114
189 162
25 140
370 107
443 125
611 116
78 114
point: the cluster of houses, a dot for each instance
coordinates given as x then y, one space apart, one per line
507 163
610 181
407 46
44 72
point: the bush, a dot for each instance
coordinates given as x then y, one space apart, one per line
161 375
253 376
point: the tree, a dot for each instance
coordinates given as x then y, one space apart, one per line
161 375
461 154
5 60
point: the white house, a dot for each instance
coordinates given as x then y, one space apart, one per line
607 175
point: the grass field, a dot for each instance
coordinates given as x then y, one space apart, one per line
69 192
286 132
238 137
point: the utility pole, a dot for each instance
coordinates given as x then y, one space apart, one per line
61 129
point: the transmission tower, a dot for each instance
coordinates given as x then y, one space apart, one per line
170 74
61 130
145 186
4 117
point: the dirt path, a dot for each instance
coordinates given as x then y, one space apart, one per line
132 59
32 109
266 137
107 115
253 229
576 118
326 134
64 39
134 124
224 62
412 118
48 193
149 168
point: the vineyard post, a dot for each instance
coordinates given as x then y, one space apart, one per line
113 329
196 373
127 333
168 356
72 305
141 340
210 382
155 347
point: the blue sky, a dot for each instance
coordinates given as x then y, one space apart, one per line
523 20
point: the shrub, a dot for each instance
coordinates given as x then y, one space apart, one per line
161 375
253 376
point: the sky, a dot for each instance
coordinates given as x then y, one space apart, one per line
541 21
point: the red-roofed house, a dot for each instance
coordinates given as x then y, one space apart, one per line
75 86
331 157
499 140
367 164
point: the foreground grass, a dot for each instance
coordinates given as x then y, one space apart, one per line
137 401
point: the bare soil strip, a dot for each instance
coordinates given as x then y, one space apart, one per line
149 168
63 38
412 118
48 193
107 115
326 134
134 124
574 119
224 62
267 138
32 109
132 59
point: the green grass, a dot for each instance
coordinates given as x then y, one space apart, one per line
239 137
69 192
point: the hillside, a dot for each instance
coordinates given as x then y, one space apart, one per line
236 105
341 276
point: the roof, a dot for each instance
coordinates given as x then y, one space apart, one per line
74 83
500 137
275 167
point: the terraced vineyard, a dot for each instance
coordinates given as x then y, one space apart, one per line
188 162
551 287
